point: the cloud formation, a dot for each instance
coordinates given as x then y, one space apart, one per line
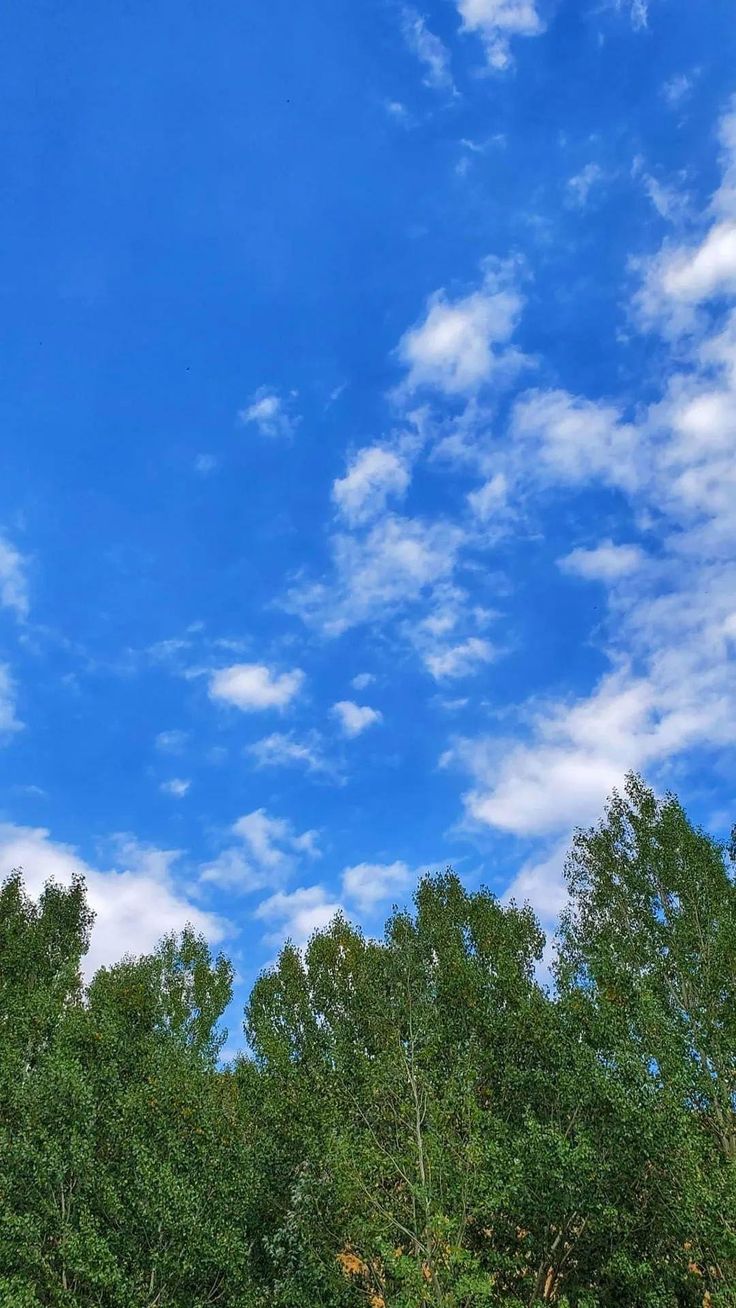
462 344
134 904
284 749
269 850
375 475
497 22
431 52
354 718
295 915
368 885
9 722
177 787
270 414
254 686
671 631
13 579
394 564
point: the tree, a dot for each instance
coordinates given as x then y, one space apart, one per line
124 1165
649 953
418 1122
406 1058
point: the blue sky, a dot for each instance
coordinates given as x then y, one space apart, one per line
368 413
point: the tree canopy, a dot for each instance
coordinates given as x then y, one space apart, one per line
418 1119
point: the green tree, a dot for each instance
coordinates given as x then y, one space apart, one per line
418 1123
648 952
124 1160
410 1061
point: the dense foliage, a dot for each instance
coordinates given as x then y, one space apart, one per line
419 1122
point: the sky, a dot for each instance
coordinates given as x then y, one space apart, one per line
368 421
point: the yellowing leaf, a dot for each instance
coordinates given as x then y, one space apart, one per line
351 1264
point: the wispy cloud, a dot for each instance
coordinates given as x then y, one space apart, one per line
171 742
375 474
13 579
497 22
366 885
285 749
270 413
580 186
431 52
639 12
677 88
177 787
362 680
9 722
391 566
681 278
297 914
671 630
461 660
268 851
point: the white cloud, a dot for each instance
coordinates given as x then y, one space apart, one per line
672 639
133 906
8 721
670 202
282 749
393 565
204 464
231 870
362 680
677 88
576 440
460 344
177 787
541 883
374 474
580 186
605 562
355 718
171 742
577 754
297 914
694 274
497 21
429 50
491 498
273 840
446 638
369 884
270 413
671 621
681 278
460 660
13 579
253 686
269 852
639 11
672 625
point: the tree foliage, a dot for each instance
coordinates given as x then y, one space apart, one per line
418 1121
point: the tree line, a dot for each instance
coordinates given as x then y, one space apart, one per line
418 1120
